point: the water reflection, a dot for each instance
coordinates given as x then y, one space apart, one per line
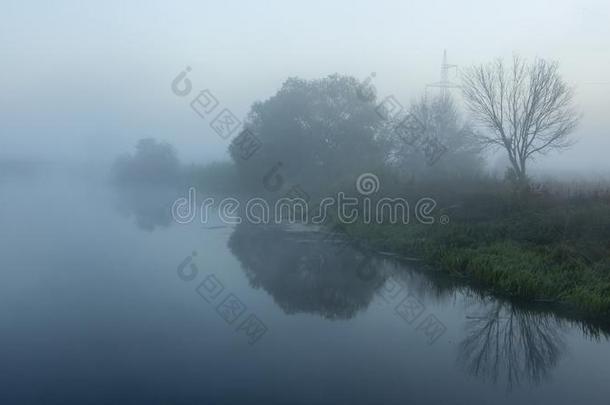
150 206
503 343
304 274
510 344
21 168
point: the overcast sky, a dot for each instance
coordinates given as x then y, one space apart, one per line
86 81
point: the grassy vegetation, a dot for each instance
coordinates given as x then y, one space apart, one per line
535 247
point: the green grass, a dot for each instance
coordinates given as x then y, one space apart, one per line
551 251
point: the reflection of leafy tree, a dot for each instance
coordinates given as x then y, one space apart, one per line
511 343
306 275
150 206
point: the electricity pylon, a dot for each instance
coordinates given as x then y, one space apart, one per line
445 84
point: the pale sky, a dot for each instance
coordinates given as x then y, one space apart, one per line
86 80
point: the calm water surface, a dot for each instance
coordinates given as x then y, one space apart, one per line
104 300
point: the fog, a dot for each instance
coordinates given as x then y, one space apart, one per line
206 202
83 83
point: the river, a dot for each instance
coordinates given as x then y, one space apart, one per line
105 300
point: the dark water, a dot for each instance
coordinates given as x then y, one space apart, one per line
99 304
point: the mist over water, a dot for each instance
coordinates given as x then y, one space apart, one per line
113 115
97 311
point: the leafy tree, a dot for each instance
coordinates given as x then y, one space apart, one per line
432 141
153 162
321 131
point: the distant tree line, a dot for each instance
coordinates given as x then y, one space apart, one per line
321 134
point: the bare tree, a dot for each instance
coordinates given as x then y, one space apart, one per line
527 108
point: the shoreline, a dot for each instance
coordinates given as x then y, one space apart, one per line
534 273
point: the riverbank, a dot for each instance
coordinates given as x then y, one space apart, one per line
553 252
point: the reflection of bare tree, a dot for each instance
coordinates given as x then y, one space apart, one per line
512 344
